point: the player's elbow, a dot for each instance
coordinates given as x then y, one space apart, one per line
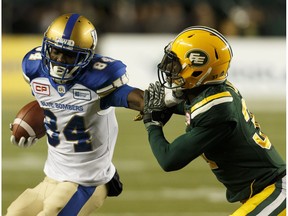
168 167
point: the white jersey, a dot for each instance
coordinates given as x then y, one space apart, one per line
81 129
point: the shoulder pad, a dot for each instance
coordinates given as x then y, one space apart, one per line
31 63
104 75
103 63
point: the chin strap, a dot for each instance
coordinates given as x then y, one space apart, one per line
59 73
207 73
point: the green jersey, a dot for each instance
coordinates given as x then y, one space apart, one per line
222 130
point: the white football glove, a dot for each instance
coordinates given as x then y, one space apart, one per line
23 143
172 97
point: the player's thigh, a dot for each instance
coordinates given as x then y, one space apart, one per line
30 202
58 199
95 201
69 199
270 201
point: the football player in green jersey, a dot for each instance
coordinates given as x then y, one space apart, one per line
220 127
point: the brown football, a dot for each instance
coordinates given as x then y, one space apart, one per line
29 122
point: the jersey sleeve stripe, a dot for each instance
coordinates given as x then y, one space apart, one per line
116 84
210 98
209 102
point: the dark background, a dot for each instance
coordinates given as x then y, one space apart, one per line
231 17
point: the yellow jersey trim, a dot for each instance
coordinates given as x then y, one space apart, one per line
209 102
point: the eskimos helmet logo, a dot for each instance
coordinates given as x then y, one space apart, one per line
197 57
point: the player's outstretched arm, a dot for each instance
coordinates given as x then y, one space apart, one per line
136 100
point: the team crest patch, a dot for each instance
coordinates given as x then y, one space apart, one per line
40 88
82 94
61 89
197 57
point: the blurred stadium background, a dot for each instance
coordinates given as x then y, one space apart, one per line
136 32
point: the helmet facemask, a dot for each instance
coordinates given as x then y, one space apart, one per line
169 69
63 72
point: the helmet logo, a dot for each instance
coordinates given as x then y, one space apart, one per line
197 57
67 42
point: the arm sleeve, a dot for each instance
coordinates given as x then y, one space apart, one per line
118 98
187 147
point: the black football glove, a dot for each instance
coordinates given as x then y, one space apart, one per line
147 112
162 116
158 118
157 98
154 117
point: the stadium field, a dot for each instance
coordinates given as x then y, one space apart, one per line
148 191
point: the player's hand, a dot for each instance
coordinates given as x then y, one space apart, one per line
148 121
158 118
153 117
156 112
22 141
162 116
139 116
147 113
159 98
154 97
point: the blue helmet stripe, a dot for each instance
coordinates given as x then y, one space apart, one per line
69 26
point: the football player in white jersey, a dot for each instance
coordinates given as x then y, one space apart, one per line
78 90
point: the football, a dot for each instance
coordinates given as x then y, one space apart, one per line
29 122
